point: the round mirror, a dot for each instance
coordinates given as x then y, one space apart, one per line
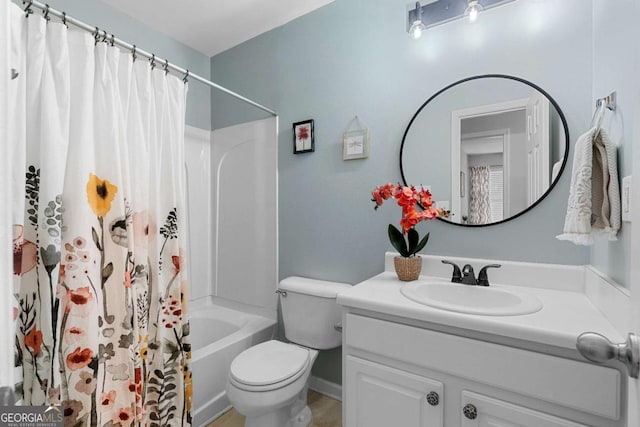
489 147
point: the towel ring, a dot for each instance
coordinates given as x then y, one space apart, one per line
609 102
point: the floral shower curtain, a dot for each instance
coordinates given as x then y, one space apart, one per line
479 196
99 272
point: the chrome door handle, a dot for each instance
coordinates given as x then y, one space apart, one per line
597 348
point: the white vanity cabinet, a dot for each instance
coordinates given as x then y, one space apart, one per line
393 371
384 396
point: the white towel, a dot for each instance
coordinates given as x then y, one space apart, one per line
594 195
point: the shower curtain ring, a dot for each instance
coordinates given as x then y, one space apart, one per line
104 37
186 77
46 13
153 61
64 19
165 67
133 53
27 10
96 34
113 40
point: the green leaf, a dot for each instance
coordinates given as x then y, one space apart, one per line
397 240
422 243
412 237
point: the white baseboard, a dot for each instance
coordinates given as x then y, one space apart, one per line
325 387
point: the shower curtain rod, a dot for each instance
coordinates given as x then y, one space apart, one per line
103 36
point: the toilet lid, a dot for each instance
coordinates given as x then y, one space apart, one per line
269 363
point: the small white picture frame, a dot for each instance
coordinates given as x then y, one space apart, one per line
355 144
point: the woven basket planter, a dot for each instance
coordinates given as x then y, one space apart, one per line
408 269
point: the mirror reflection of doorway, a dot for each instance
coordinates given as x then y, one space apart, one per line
500 158
483 160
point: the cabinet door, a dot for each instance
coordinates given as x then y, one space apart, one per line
380 396
482 411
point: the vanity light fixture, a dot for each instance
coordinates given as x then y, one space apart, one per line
436 12
473 8
417 26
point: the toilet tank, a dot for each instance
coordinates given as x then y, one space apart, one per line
310 312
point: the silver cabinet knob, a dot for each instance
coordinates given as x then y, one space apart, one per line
433 398
470 411
597 348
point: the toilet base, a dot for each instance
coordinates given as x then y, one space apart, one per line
303 419
281 418
296 414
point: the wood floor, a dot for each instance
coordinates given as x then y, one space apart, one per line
327 412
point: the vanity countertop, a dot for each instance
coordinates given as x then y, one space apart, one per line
564 316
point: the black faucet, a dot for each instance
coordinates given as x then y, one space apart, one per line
457 275
467 275
483 279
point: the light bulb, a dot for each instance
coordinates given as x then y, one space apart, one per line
473 8
416 29
473 14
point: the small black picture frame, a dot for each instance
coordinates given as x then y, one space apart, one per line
303 137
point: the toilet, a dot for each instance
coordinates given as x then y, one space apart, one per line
268 382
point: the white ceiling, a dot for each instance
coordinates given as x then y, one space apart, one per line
213 26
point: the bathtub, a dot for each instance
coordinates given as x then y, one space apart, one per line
218 335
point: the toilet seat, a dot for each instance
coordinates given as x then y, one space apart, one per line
268 366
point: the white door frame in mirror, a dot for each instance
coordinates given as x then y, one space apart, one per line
457 116
494 141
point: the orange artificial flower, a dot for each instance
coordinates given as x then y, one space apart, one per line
382 193
78 359
100 194
33 340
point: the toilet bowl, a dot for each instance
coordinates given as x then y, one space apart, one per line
268 383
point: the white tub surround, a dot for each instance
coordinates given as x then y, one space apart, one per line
522 368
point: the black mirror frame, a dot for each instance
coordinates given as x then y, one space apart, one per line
518 79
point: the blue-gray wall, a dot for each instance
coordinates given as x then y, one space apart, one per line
614 68
354 57
95 12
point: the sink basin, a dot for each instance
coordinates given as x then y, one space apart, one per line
488 301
